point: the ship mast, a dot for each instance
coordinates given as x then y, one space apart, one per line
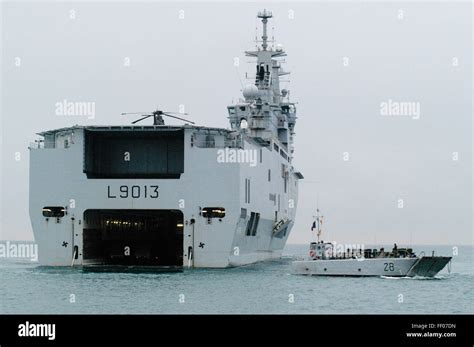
264 15
268 114
317 223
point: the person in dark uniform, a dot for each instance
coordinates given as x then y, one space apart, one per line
395 249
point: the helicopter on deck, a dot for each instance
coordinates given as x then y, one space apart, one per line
157 116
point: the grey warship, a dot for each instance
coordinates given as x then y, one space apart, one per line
172 196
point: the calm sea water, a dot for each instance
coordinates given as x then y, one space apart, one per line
261 288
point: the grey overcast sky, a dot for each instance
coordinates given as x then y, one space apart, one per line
346 59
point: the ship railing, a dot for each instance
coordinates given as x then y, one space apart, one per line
356 254
213 144
36 145
366 254
205 143
210 141
234 143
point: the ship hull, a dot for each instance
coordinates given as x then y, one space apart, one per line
160 221
390 267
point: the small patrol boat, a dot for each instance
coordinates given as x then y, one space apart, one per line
331 259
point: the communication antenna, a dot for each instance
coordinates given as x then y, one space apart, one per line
273 37
264 15
238 75
256 34
318 222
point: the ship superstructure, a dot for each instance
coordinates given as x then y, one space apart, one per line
159 195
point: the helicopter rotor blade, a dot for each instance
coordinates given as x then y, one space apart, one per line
158 113
140 119
185 120
181 113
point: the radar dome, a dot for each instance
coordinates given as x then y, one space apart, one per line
250 91
279 47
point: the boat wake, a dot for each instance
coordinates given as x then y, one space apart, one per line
437 277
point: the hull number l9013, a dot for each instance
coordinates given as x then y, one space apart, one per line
134 192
